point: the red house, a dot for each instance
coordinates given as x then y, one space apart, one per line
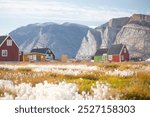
9 50
118 53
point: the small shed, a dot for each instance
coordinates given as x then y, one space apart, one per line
118 53
39 54
101 55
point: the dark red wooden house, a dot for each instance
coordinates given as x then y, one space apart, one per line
9 50
118 53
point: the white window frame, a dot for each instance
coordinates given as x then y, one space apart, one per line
30 57
4 53
9 42
34 57
42 57
122 57
110 57
104 57
125 50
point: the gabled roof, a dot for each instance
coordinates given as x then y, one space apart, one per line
101 51
40 50
115 49
2 38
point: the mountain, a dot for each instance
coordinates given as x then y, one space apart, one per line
110 29
105 37
61 39
90 44
81 42
132 31
136 36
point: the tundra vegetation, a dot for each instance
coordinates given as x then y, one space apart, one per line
128 80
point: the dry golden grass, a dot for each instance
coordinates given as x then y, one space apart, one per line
24 70
1 92
136 86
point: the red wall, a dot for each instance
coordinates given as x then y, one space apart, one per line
115 58
126 55
13 52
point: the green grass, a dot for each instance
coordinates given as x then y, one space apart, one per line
136 87
83 84
116 82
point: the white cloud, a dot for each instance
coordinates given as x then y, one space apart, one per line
57 10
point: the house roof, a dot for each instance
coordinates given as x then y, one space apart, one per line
101 51
40 50
35 53
2 38
115 49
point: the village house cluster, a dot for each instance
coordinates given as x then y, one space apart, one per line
116 53
9 51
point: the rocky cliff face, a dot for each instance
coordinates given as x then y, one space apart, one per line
132 31
110 30
105 37
90 43
136 35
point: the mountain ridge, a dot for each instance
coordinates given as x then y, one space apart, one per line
81 42
63 38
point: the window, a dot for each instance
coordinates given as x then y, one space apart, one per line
4 53
109 57
42 57
125 50
30 57
9 42
122 57
34 57
104 57
47 56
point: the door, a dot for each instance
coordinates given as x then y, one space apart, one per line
34 58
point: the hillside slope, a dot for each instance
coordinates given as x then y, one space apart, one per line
61 39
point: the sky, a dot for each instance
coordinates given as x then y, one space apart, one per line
17 13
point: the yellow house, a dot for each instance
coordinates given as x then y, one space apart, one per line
34 57
39 54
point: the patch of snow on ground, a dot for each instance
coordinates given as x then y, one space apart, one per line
46 91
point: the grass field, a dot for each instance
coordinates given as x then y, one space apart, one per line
129 80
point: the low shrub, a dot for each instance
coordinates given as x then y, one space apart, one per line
4 69
112 66
136 92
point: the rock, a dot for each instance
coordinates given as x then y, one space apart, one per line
136 35
110 30
90 43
